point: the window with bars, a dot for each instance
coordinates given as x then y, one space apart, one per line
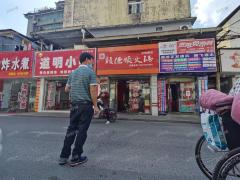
135 7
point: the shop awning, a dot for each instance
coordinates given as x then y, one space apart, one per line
155 37
62 38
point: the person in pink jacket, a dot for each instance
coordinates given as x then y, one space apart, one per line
227 106
231 127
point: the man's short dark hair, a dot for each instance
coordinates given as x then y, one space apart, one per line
84 56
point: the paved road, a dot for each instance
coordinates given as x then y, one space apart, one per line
125 150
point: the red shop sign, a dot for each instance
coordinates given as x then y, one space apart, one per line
58 63
16 64
138 59
196 46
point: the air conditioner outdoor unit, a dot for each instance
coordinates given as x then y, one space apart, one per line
184 27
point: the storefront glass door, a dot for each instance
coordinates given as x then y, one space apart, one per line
139 96
187 97
112 93
131 96
173 102
56 97
181 95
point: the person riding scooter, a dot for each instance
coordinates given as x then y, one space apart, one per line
103 104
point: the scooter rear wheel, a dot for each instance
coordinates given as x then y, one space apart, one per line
112 115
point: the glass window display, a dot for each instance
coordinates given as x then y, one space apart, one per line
56 97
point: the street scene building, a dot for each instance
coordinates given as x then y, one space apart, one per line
229 50
45 19
147 55
17 87
118 12
150 99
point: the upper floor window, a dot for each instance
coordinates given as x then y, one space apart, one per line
135 7
159 28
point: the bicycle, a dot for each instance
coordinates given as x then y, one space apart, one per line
220 164
228 167
206 157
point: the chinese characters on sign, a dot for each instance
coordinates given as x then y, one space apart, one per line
188 55
132 61
128 59
16 64
58 63
23 96
51 95
162 95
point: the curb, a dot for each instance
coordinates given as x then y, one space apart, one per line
119 119
163 120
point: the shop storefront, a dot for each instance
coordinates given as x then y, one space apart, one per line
130 94
17 88
51 73
55 96
230 67
186 67
129 70
181 94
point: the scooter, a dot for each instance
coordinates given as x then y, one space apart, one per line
105 112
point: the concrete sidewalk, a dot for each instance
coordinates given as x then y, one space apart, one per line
171 117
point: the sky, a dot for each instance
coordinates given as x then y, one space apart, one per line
209 13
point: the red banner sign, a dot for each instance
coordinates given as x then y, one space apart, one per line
139 59
58 63
196 46
16 64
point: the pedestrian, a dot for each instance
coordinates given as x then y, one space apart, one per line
140 102
231 127
104 97
236 88
82 85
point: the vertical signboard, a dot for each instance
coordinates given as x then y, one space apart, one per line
162 95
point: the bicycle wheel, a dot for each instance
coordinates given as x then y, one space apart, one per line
228 167
206 158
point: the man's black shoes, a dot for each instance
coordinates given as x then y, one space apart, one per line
77 161
62 161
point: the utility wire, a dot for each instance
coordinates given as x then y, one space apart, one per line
235 32
232 24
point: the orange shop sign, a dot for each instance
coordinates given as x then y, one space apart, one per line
138 59
16 64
